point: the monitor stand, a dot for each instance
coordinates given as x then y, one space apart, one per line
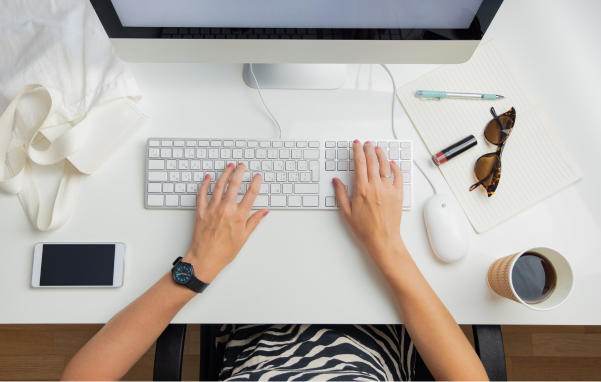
296 76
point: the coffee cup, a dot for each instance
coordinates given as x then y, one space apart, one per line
540 278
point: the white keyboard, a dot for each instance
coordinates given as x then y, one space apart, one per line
297 174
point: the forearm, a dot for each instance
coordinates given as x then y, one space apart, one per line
436 335
128 335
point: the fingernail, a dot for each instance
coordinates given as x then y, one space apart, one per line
378 148
265 213
242 164
231 165
367 142
207 176
356 141
257 174
335 181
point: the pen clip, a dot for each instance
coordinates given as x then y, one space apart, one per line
430 99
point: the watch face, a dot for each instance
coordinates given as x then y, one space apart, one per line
182 273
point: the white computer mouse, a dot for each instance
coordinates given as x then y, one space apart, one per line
446 228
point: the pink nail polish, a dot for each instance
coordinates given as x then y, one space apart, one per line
367 142
335 181
265 213
378 148
231 165
207 176
242 164
356 141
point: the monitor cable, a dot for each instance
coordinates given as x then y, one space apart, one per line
394 90
269 111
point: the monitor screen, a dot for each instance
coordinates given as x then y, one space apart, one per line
399 14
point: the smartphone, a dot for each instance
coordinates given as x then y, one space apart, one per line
78 265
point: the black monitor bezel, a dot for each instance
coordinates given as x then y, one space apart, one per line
114 29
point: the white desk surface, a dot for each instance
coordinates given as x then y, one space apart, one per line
306 267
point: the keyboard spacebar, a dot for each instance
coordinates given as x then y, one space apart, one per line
306 188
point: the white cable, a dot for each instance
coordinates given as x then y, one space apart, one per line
259 89
394 90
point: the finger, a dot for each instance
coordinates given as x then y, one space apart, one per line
221 183
359 159
342 196
251 194
254 221
371 161
201 198
398 176
384 165
234 186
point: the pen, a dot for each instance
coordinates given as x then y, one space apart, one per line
438 95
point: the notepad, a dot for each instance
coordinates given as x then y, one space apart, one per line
535 163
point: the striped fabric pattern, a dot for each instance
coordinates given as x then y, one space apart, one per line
316 352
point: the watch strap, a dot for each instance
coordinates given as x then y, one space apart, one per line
196 285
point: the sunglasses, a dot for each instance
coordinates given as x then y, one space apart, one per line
488 167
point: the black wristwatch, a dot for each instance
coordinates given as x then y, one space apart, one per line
183 274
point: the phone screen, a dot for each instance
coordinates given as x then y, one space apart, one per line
77 265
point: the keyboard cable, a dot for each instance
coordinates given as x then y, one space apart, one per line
259 89
394 90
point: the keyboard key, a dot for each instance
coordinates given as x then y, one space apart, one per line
302 165
304 188
153 153
314 167
156 164
330 154
293 176
310 201
261 201
281 176
301 144
310 154
215 143
305 177
294 201
178 153
180 187
192 187
269 177
172 200
228 143
330 144
406 154
393 154
201 153
183 165
288 144
393 145
157 176
266 165
219 165
351 166
156 200
253 144
383 144
343 154
154 187
314 144
284 154
249 153
264 189
330 165
165 153
153 143
255 165
167 187
406 177
195 164
277 144
207 165
178 143
342 166
188 200
407 195
167 143
278 201
297 154
286 188
265 144
189 153
330 201
240 143
191 143
405 166
276 188
171 164
342 144
203 143
226 153
290 165
186 176
405 145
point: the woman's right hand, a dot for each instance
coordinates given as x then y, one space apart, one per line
375 211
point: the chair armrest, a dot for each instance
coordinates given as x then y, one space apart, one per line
169 353
488 341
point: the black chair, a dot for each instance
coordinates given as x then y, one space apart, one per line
170 354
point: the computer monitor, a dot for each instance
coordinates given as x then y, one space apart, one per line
296 32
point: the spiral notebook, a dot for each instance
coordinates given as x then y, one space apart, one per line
535 164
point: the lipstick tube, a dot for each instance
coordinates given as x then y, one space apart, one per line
454 150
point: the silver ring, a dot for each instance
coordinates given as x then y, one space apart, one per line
384 176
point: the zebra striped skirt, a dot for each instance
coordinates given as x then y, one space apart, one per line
319 352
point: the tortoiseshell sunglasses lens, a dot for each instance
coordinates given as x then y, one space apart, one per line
498 129
487 169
